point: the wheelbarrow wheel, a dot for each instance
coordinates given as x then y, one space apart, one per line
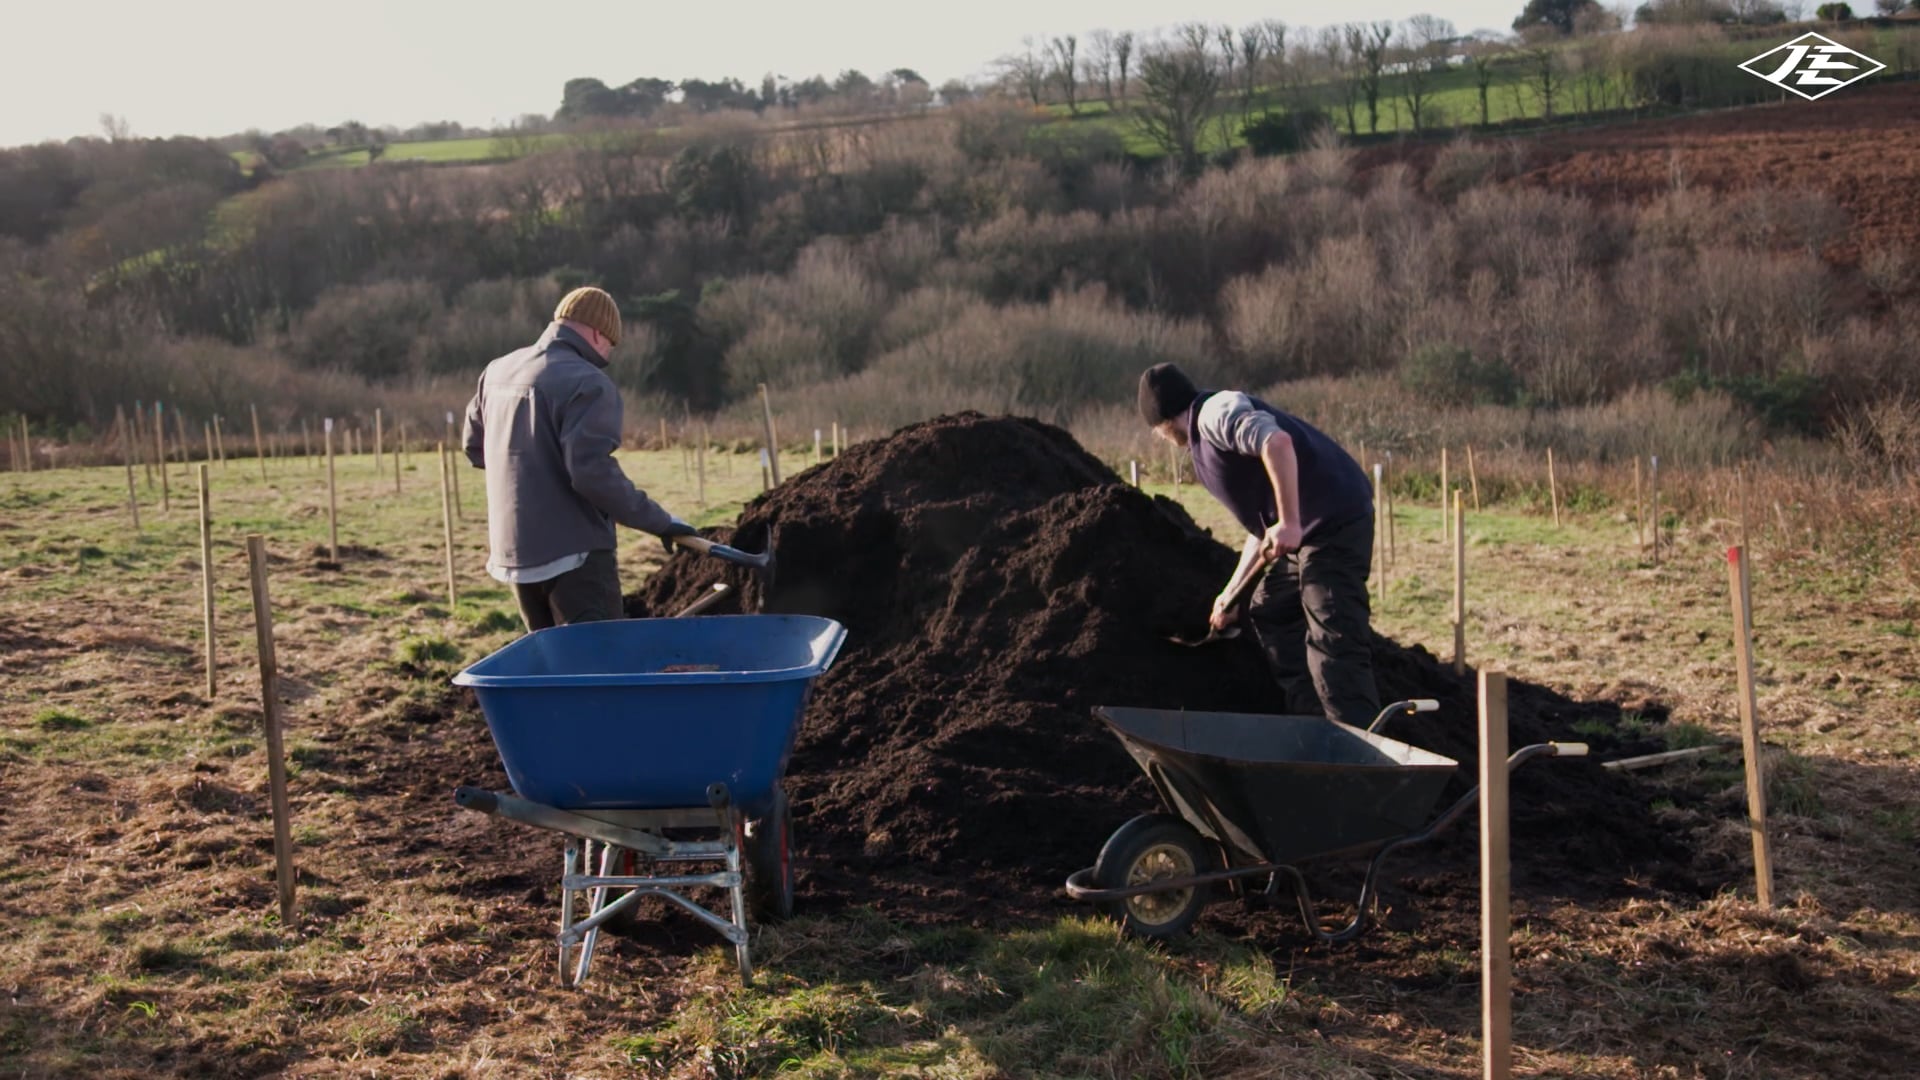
1154 847
768 848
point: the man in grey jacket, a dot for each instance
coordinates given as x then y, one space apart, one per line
544 425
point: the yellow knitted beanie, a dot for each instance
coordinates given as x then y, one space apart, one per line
593 307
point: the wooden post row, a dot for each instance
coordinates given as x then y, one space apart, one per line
459 509
206 581
259 447
270 704
1473 478
1741 583
1553 488
1459 587
446 522
128 451
1496 955
160 458
220 442
333 497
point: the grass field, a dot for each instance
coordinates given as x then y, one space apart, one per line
137 885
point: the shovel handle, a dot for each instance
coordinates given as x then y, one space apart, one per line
698 544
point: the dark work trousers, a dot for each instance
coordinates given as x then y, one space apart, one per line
1312 616
589 592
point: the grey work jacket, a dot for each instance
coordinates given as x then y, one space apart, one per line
544 425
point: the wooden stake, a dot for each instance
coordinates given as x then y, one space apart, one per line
276 752
1639 512
702 454
836 439
1653 499
396 470
1173 467
333 496
180 435
1740 485
1459 586
773 443
459 508
1741 582
1133 472
126 458
306 441
766 475
140 441
1473 477
206 580
160 458
663 430
446 522
26 441
379 439
259 447
1553 488
1446 519
816 446
1380 530
1496 957
206 432
1393 527
220 442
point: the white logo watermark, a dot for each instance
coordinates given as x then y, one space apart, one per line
1812 66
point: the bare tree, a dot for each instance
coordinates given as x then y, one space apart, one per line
1026 71
1100 53
1253 50
1340 67
1227 62
1483 57
1543 65
1064 52
1367 44
1425 54
1179 84
1122 57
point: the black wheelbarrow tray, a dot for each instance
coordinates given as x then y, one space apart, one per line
1254 797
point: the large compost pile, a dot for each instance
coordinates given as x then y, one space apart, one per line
997 582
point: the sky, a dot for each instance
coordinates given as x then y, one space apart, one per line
216 67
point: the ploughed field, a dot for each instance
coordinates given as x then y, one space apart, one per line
997 582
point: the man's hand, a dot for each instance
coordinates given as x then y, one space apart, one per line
1283 539
1223 616
674 528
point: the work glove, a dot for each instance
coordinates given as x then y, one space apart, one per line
675 527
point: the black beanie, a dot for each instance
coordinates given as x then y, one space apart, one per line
1165 394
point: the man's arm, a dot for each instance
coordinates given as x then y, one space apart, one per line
473 434
1283 470
589 434
1251 563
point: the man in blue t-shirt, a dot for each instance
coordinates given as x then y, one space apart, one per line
1308 510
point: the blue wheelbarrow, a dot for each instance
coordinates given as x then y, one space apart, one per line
655 741
1255 797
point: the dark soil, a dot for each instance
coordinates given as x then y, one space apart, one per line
997 582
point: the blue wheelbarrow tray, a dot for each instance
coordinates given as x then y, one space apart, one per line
637 714
1282 789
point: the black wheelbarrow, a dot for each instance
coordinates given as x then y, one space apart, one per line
1256 796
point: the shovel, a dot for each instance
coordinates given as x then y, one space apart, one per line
1233 629
761 563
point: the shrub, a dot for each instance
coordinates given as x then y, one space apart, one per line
1459 167
369 330
1285 132
1450 375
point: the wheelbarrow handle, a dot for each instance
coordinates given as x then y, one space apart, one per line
1407 708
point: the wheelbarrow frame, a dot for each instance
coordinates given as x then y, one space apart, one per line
611 834
1080 885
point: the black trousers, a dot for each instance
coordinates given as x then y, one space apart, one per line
589 592
1312 616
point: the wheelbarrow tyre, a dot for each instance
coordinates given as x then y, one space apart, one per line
768 853
1148 847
